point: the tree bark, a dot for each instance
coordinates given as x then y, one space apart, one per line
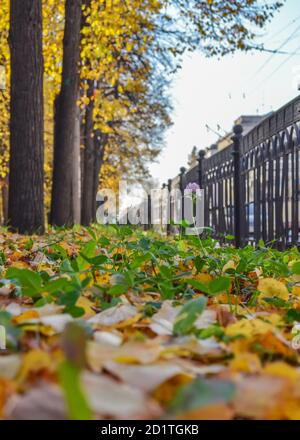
26 177
4 191
100 141
94 147
62 204
77 171
88 160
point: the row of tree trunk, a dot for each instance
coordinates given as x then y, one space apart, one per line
74 184
62 206
26 167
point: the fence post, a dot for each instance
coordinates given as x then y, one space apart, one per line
237 140
201 156
181 187
162 199
169 207
149 211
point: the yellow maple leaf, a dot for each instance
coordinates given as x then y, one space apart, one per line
248 328
270 287
33 362
87 305
26 316
282 369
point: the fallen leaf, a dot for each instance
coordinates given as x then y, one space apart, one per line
113 399
56 322
34 362
10 366
163 321
259 397
43 403
269 287
145 377
114 315
130 352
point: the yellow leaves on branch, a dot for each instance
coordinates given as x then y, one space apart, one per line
109 45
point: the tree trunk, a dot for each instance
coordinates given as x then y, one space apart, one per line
62 206
88 161
4 191
77 171
26 177
100 141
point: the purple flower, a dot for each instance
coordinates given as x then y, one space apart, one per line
192 187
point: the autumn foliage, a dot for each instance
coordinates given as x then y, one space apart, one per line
117 323
128 51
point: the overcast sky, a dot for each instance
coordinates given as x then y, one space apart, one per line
216 92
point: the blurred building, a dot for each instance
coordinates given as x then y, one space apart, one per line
247 121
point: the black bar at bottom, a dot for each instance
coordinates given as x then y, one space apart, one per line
135 428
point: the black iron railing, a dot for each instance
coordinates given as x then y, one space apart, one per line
252 187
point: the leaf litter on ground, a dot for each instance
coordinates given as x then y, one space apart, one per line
116 322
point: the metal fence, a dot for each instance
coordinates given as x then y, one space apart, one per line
252 187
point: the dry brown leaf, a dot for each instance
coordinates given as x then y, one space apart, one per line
260 397
114 338
163 321
42 403
145 377
10 365
194 367
130 352
114 315
49 309
56 322
108 397
199 348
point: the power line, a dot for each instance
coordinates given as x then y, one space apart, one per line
273 51
281 30
279 66
271 56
